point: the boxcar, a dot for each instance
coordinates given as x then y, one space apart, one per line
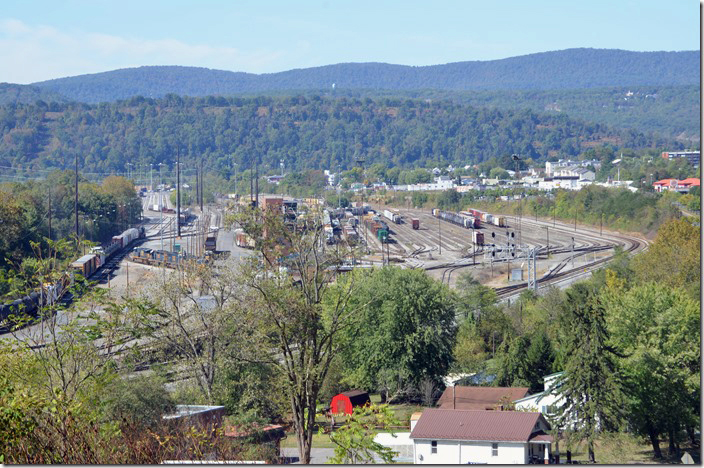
86 265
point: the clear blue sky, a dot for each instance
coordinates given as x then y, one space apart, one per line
44 39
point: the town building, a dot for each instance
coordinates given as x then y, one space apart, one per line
442 436
691 156
547 401
480 398
681 186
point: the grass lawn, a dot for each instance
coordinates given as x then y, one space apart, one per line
319 441
403 413
619 449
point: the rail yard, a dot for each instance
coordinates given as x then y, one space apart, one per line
496 253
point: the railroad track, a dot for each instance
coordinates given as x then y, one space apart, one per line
558 273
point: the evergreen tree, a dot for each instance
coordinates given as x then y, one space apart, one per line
589 386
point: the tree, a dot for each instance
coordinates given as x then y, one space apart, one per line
187 314
293 317
590 387
674 259
657 330
469 351
354 442
526 361
403 333
473 297
498 173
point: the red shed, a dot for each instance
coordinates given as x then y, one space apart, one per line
344 403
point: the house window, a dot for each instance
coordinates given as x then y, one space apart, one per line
494 450
434 446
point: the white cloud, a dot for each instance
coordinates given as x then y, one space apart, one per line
35 53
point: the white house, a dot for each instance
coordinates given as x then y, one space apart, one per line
546 401
445 436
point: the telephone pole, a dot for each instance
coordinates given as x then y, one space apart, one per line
75 204
50 214
202 186
178 192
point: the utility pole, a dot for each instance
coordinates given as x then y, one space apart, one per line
151 179
178 192
202 186
553 215
601 224
573 252
161 223
197 192
547 230
440 236
75 205
50 213
508 256
256 185
235 181
575 220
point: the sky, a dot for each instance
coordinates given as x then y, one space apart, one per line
46 39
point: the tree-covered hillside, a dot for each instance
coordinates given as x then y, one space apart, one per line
565 69
671 111
26 94
307 132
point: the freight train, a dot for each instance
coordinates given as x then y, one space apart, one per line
89 264
164 257
350 234
50 293
464 219
379 228
488 218
392 216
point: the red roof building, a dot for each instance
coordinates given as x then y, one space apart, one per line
682 186
344 403
480 398
461 436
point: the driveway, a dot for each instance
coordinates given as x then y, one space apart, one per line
318 456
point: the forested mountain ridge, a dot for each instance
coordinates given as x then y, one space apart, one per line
565 69
671 111
308 132
14 93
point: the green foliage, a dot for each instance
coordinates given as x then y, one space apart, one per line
402 332
498 173
242 386
657 331
524 361
674 259
469 351
354 442
618 209
308 132
140 400
590 386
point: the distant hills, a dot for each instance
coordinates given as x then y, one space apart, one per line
565 69
316 132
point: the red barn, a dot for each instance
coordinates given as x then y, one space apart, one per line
344 403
